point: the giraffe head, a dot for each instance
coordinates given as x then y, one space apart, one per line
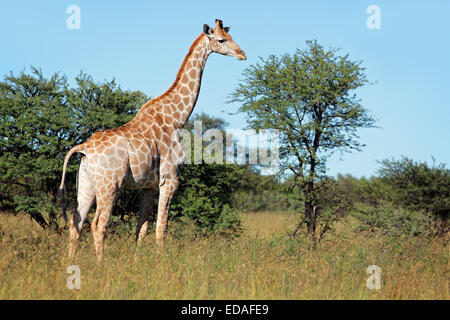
221 42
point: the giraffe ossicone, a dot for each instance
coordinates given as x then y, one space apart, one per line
144 153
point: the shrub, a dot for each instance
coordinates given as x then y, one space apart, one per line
392 220
204 198
420 187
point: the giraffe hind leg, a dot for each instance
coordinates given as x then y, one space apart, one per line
144 214
105 203
85 197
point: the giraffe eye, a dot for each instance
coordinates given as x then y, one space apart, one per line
222 40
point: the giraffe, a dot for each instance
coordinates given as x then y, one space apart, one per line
144 153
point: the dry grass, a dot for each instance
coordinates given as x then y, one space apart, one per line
264 263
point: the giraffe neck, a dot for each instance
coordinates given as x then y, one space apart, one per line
189 78
179 100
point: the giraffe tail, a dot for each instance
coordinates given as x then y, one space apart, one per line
62 189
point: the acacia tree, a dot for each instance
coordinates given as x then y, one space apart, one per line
309 96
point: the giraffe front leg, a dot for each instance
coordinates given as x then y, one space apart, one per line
168 188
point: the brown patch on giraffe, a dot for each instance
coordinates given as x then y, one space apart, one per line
166 139
176 115
158 118
147 132
191 85
102 190
109 151
166 109
166 129
144 148
99 204
193 74
141 156
184 91
162 148
184 79
156 132
147 120
177 99
168 120
143 167
94 142
164 101
102 219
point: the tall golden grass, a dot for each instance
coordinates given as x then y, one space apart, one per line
264 263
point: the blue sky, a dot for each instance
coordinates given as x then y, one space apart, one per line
142 44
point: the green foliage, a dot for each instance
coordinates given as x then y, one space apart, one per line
33 114
309 96
101 106
418 186
373 191
392 220
260 193
332 202
204 200
406 198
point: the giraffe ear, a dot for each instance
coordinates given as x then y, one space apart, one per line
207 30
227 29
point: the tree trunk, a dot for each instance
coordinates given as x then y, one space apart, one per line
310 214
311 222
310 210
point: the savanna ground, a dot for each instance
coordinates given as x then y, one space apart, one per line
263 263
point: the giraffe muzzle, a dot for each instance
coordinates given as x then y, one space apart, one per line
241 55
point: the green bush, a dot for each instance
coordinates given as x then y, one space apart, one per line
419 186
392 220
205 198
260 193
204 203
